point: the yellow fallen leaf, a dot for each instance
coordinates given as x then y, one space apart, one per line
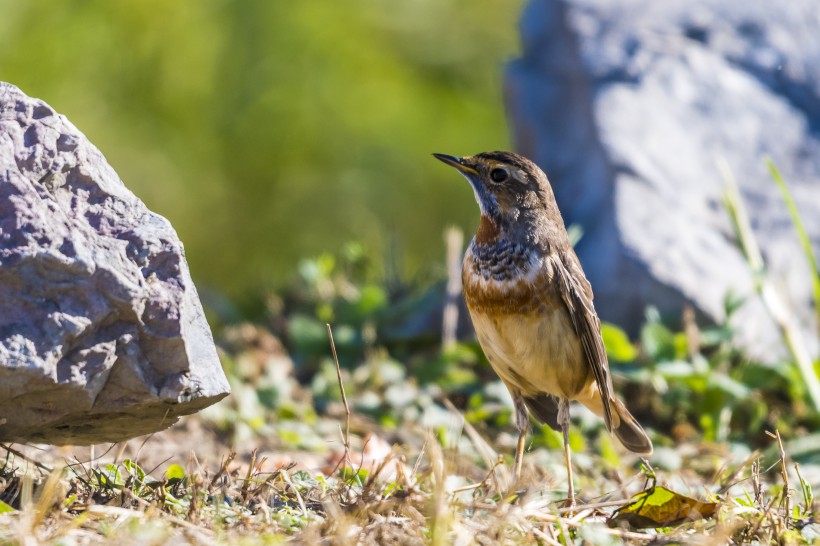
661 507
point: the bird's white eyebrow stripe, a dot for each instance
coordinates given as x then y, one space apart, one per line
520 176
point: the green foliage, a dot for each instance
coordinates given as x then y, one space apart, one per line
769 293
269 131
697 377
174 474
115 480
618 346
708 382
720 396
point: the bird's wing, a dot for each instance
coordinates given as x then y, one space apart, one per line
576 294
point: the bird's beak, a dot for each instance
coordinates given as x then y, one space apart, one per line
456 162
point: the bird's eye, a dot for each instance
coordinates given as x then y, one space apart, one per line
499 175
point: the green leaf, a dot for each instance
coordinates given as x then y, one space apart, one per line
307 331
4 508
731 303
175 472
658 342
303 480
675 369
71 499
371 299
681 345
618 346
109 477
661 507
608 451
290 438
712 337
319 269
729 386
548 438
134 469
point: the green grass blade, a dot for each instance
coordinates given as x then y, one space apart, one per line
772 299
805 242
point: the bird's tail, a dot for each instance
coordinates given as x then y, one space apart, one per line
629 431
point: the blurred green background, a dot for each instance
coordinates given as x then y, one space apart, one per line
270 131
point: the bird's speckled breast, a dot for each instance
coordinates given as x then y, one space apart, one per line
504 277
521 322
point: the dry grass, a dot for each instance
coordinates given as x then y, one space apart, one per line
427 494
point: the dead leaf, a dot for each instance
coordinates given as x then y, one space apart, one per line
661 507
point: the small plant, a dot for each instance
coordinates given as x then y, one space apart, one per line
774 301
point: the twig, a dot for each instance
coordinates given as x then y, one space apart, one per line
758 489
500 474
193 506
222 470
93 458
373 474
159 464
453 238
25 457
136 456
419 459
346 437
579 515
440 520
593 506
734 478
691 331
564 522
286 476
355 471
763 517
118 456
247 485
546 538
482 483
787 493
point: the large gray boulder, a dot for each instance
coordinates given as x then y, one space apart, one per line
102 335
629 105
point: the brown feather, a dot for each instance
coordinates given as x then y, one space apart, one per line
577 296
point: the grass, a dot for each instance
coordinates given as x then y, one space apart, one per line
433 493
376 432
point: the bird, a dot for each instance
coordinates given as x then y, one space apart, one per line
531 305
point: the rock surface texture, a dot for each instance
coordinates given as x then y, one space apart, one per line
102 335
629 106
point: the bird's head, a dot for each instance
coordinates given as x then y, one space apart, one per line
513 194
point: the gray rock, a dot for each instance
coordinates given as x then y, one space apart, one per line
102 335
629 105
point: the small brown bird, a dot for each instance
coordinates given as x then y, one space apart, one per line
531 304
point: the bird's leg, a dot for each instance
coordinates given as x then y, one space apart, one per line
522 421
563 419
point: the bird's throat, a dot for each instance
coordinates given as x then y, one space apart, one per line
488 231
